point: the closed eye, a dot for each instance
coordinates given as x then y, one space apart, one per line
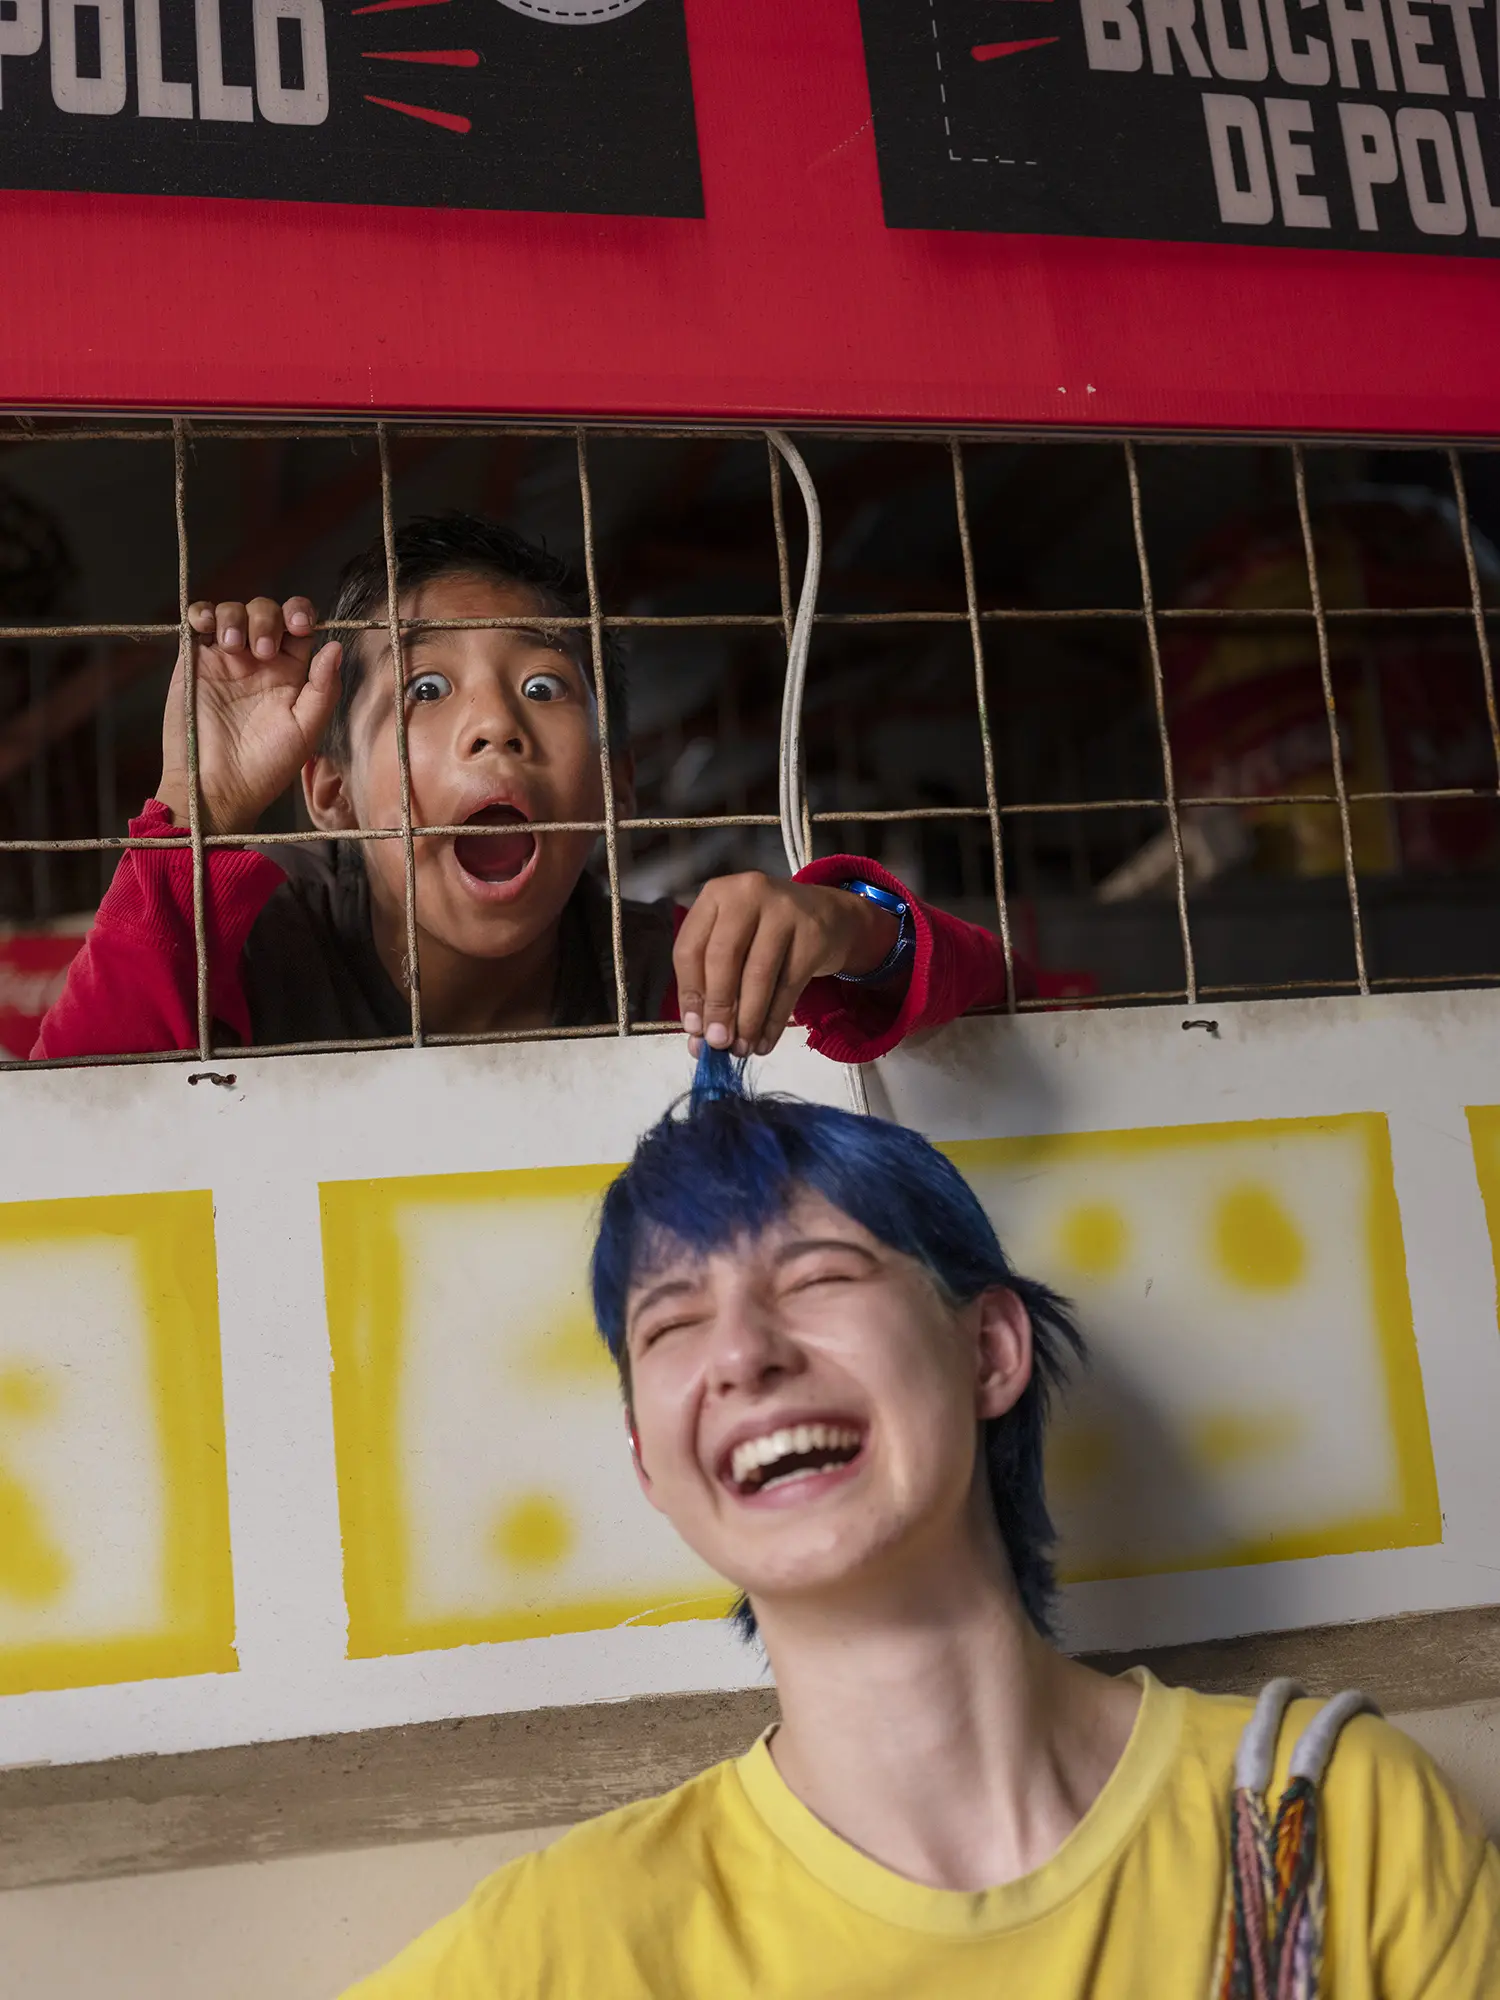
823 1261
809 1279
825 1265
655 1333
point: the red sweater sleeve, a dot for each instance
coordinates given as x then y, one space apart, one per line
132 989
954 966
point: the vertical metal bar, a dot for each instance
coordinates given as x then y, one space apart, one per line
398 672
1336 748
784 576
731 740
601 701
1159 694
783 558
188 641
37 677
1476 598
981 698
106 776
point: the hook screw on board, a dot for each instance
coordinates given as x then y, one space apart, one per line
225 1079
1211 1026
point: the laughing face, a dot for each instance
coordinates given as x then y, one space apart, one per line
807 1404
501 733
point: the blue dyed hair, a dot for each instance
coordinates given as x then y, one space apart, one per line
728 1165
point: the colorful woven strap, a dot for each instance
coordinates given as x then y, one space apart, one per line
1276 1901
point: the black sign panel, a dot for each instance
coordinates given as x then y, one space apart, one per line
576 105
1320 124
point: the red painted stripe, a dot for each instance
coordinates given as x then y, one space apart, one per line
391 6
449 120
987 51
450 58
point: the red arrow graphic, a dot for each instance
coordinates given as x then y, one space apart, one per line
449 120
450 58
988 51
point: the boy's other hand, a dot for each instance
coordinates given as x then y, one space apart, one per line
749 946
264 700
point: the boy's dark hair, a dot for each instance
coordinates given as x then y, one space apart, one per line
436 545
729 1165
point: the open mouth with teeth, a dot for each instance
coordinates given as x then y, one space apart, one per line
796 1452
498 856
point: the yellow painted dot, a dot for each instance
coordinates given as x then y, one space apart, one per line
568 1350
1256 1243
33 1569
26 1391
1231 1437
533 1532
1094 1238
1079 1455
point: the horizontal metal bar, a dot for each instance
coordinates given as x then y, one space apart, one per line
101 1062
1092 1003
161 629
771 621
29 422
708 822
1088 1002
594 1032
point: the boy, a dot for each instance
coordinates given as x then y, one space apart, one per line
837 1390
308 942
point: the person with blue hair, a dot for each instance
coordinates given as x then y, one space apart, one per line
836 1390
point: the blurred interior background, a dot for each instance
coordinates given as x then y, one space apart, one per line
684 527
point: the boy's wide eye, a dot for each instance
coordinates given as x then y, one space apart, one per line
545 687
428 687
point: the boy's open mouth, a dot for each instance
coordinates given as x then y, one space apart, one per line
498 856
791 1453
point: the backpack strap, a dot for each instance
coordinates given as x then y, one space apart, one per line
1276 1905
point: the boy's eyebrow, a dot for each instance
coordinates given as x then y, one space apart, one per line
413 642
555 641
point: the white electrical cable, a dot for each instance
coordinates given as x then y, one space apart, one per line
799 643
790 772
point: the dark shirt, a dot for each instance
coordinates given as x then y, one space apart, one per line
311 972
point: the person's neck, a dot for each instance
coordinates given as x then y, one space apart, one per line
936 1731
471 996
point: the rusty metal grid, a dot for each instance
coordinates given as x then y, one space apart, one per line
180 432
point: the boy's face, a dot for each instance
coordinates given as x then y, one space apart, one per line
501 730
807 1405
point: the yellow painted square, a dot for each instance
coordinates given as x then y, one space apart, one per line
485 1489
114 1509
1254 1392
1484 1134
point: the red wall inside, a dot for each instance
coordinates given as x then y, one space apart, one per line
791 299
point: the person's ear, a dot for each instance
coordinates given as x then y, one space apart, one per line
1004 1351
325 788
642 1476
622 783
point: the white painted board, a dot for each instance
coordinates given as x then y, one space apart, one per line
494 1415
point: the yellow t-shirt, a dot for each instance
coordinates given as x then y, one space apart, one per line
728 1888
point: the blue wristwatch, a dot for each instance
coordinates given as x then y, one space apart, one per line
901 950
